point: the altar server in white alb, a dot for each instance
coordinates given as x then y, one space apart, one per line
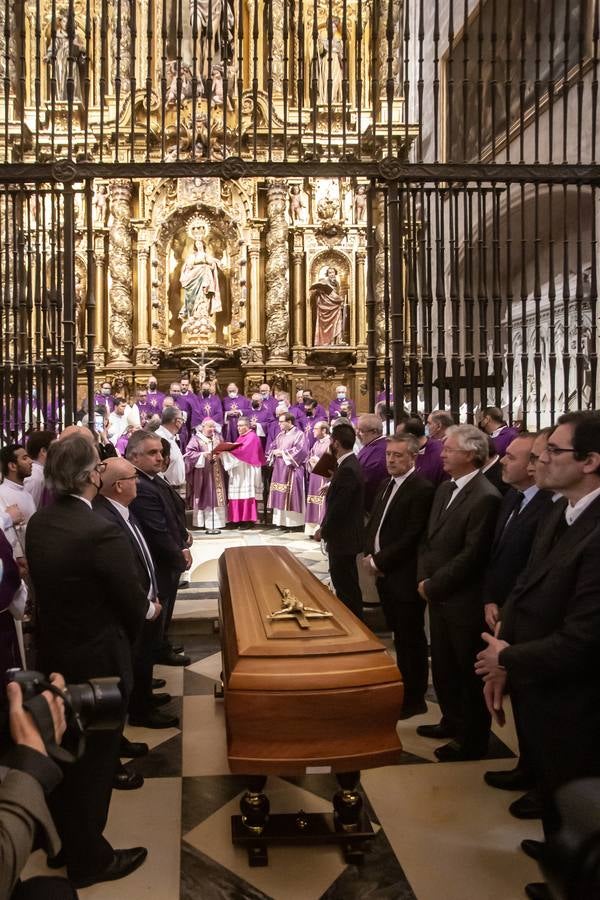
15 465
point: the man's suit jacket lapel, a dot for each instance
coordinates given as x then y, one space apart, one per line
444 511
548 556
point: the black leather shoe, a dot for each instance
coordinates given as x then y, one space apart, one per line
178 649
437 732
513 780
160 699
533 849
56 862
409 711
155 719
123 863
173 659
453 752
538 890
158 683
132 749
526 807
127 781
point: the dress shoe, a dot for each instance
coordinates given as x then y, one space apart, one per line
409 711
538 890
437 732
533 849
513 780
123 863
160 699
158 683
527 807
178 649
132 749
127 781
154 719
453 752
173 659
56 862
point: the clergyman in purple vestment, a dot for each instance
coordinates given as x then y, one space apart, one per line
341 396
492 422
206 487
234 406
315 493
371 455
287 455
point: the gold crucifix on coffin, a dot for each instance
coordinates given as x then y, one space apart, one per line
292 608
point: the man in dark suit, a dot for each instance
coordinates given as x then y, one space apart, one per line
451 568
90 613
119 489
155 509
396 526
549 642
521 511
342 527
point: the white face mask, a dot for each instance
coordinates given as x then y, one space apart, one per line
341 396
264 393
232 393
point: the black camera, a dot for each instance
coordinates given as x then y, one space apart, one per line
95 705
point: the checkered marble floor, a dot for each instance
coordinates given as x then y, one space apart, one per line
440 832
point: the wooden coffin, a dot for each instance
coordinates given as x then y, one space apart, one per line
324 693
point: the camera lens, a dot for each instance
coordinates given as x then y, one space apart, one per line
98 702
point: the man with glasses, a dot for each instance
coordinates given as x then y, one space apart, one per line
90 613
371 456
549 643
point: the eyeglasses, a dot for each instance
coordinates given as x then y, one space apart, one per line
127 477
552 450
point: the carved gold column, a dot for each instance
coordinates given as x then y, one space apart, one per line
277 274
254 298
119 262
299 304
100 257
360 303
143 339
380 274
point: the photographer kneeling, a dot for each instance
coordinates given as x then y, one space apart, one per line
27 774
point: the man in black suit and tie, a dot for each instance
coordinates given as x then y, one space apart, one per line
394 530
549 643
521 511
451 569
119 489
90 613
154 508
342 527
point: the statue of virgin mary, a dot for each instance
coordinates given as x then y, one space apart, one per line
202 297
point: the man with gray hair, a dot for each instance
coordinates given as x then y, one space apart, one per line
438 423
90 614
451 571
371 456
172 420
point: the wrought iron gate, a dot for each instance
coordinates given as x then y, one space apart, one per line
474 125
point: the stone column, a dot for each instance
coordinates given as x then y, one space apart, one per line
299 303
119 262
380 250
100 257
360 299
277 274
143 339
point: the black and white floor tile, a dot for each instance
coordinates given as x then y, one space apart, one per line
440 832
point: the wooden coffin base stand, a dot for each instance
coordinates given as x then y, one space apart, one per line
348 825
307 688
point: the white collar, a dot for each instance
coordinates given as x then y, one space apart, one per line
464 480
123 510
400 479
491 462
572 513
83 499
345 456
498 430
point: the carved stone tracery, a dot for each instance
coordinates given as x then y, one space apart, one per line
119 261
276 274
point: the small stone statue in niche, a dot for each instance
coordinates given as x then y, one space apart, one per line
100 204
360 205
298 205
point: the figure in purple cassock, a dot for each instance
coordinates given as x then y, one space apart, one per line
371 455
207 492
492 422
154 398
341 396
287 455
243 466
234 406
315 493
209 406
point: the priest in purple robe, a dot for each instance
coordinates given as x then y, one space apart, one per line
234 406
261 418
269 401
371 455
154 398
341 396
287 456
315 493
206 485
210 406
105 397
428 462
492 422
